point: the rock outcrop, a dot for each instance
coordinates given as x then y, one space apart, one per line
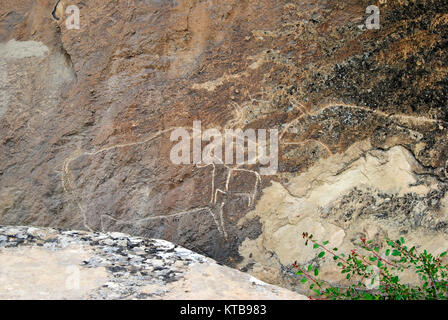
86 117
39 263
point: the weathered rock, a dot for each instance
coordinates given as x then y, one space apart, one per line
379 194
79 265
86 116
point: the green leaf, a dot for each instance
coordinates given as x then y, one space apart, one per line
376 249
368 296
321 255
326 242
387 252
304 280
315 246
371 258
310 267
299 272
396 253
443 254
402 240
316 272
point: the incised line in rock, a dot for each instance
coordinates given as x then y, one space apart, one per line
306 113
69 187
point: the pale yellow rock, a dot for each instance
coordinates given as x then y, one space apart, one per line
37 273
209 281
32 272
288 210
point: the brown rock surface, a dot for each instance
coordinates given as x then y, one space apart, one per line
86 115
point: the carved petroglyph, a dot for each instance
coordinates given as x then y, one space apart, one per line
211 85
243 113
219 197
401 118
67 178
69 187
177 214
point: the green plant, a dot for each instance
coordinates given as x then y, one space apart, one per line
376 276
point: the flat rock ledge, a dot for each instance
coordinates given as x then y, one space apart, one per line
45 263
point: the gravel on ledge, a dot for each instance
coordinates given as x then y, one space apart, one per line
46 263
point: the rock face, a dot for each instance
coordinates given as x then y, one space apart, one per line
39 263
86 117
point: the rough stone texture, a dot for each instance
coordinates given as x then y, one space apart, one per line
39 263
362 193
85 118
